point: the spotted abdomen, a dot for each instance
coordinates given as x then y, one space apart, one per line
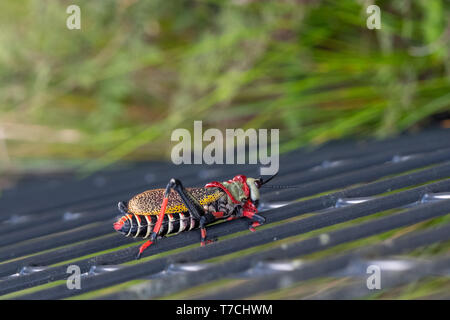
149 202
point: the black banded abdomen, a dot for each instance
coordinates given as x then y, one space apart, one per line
141 226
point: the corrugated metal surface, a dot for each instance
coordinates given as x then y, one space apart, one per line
354 204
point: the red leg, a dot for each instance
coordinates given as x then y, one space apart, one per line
250 213
156 228
189 201
203 240
253 226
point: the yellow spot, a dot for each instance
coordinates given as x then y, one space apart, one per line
182 208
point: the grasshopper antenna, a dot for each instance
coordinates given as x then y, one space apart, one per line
279 187
260 181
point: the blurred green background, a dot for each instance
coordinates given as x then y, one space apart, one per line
139 69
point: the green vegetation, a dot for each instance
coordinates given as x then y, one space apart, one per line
139 69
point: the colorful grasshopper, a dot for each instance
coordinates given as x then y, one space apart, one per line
157 213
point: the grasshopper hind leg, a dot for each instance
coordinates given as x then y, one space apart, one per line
189 201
